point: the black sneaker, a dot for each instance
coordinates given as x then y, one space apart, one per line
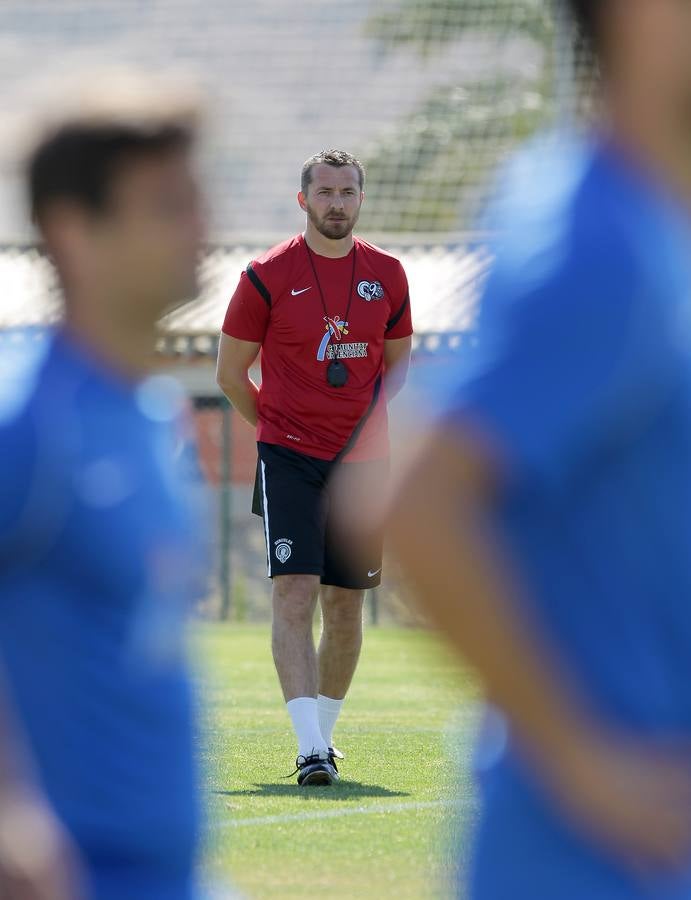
316 770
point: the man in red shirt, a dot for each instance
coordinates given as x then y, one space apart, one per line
331 315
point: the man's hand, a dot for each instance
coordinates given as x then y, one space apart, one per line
634 798
37 859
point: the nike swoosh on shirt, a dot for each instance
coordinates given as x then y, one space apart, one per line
295 293
372 574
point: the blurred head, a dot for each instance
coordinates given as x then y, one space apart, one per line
112 191
643 50
332 191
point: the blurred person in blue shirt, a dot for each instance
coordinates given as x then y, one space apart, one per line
546 523
99 545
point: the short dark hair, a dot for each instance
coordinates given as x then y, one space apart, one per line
336 158
79 163
586 14
78 154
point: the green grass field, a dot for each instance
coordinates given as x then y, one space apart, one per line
386 830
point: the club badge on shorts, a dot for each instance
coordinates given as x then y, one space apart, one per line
283 549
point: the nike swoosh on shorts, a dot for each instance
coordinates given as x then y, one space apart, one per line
295 293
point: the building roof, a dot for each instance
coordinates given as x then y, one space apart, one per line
445 281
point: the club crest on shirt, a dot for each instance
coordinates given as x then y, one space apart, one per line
370 290
283 549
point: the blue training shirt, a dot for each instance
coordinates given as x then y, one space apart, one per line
582 386
99 561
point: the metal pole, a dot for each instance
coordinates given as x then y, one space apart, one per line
374 606
564 60
226 525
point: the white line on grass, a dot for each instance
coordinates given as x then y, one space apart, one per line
336 813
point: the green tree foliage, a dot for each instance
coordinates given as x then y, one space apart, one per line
430 173
422 24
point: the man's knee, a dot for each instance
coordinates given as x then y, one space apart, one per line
342 608
294 598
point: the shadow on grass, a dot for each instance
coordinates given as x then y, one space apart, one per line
344 790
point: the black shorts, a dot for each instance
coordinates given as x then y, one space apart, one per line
292 496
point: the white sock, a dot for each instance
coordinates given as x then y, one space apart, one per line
329 710
303 713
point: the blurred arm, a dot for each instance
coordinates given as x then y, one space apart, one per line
437 529
234 360
396 364
37 859
606 782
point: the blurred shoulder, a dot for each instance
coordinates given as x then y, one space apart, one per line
23 359
557 207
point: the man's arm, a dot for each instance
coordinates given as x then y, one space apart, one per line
396 364
235 358
37 858
439 528
436 526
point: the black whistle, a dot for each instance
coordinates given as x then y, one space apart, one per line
337 373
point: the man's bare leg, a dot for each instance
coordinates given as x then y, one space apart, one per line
294 601
339 651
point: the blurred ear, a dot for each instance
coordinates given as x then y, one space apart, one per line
302 200
66 228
